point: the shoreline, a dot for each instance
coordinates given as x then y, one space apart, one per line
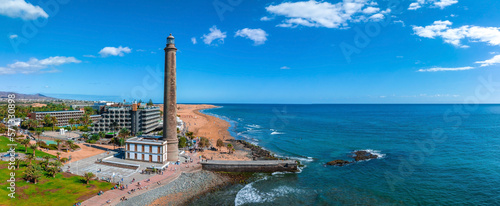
253 152
213 128
189 186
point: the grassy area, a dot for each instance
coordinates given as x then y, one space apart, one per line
64 189
20 148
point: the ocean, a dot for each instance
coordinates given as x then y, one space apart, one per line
428 154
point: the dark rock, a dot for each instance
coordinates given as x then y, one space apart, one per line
357 155
338 162
257 152
363 155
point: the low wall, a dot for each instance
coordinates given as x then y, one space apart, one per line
105 161
251 166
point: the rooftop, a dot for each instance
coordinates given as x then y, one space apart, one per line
59 111
147 139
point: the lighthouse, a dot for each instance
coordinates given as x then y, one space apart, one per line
170 101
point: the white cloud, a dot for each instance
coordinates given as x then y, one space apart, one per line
377 17
433 3
414 6
265 18
215 34
258 36
89 55
114 51
324 14
440 69
193 39
34 65
285 67
21 9
401 22
370 10
13 36
490 35
489 62
444 3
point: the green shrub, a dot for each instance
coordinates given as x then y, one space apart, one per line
91 141
182 142
52 147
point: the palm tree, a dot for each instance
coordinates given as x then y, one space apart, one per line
47 120
101 135
88 176
36 123
46 158
29 157
70 143
25 124
71 122
33 172
38 132
17 162
33 147
56 166
86 119
52 171
25 142
124 133
56 163
114 126
54 122
220 143
229 148
58 141
58 155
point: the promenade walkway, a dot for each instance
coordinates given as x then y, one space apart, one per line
112 197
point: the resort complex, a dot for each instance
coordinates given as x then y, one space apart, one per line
63 117
136 118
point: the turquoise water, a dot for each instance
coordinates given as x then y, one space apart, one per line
50 142
430 154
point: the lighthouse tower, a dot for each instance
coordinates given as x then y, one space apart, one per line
170 101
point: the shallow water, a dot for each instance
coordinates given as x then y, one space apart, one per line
430 154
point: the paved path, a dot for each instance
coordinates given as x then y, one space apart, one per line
169 175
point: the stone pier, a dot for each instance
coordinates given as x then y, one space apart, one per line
251 166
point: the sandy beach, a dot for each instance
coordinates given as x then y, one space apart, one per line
213 128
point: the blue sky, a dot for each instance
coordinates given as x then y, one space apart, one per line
351 51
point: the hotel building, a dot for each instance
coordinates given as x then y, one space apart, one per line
134 118
63 117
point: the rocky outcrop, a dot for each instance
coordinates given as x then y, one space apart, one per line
359 155
257 152
338 162
363 155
